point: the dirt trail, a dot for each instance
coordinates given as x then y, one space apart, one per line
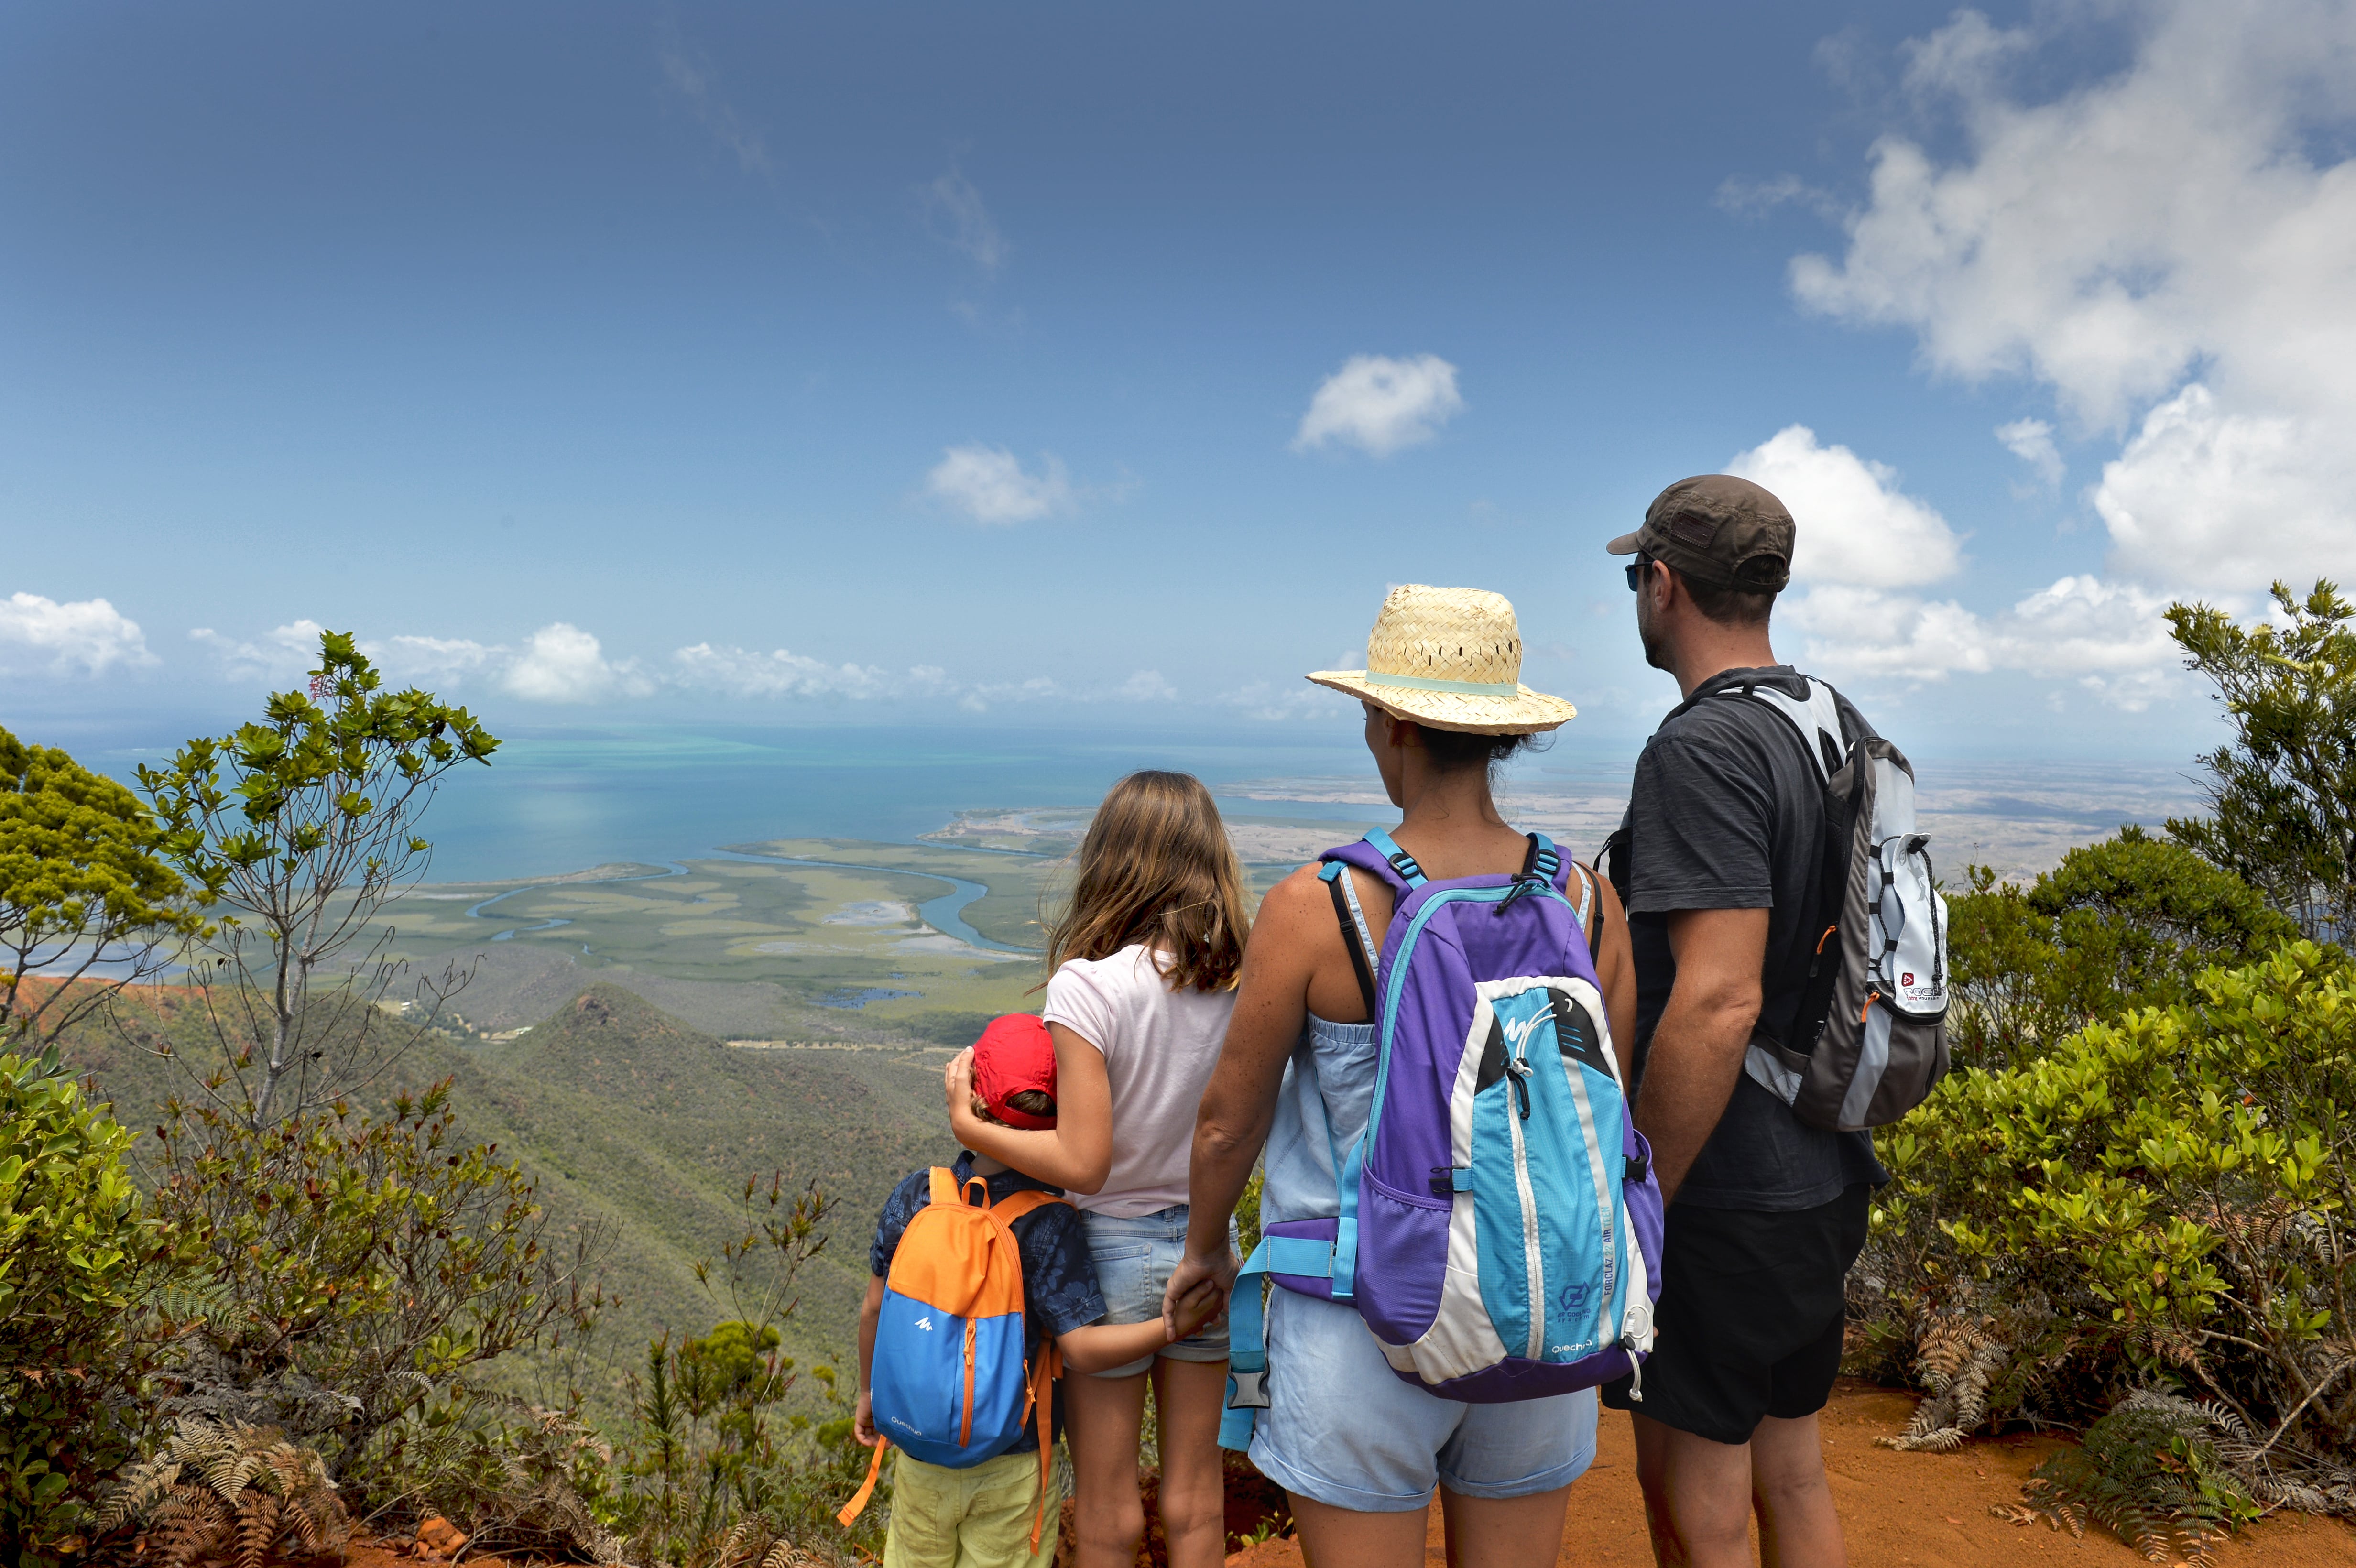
1896 1508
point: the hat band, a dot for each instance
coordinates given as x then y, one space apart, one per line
1467 688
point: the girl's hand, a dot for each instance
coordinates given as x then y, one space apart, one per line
863 1420
1191 1274
957 1085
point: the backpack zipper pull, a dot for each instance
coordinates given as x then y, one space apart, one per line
1517 1068
1635 1370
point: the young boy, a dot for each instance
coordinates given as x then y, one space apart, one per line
981 1517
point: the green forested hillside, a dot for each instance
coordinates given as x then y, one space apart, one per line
631 1121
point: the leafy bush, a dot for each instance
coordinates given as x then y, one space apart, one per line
2128 923
355 1263
219 1488
81 1260
2165 1197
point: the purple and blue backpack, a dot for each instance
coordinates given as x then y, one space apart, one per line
1500 1225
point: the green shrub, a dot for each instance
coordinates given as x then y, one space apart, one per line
81 1260
2165 1197
2128 923
355 1263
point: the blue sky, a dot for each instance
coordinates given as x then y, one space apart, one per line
905 363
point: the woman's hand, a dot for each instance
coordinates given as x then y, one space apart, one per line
1198 1307
1218 1274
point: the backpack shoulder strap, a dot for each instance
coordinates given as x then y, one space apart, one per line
1356 935
1014 1205
944 1187
1818 720
1382 856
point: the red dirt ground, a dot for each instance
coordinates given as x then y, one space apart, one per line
1896 1509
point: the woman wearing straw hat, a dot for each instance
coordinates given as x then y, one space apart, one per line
1359 1449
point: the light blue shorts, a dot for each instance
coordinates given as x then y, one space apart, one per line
1135 1259
1344 1429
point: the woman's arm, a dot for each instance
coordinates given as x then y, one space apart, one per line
1615 968
1239 1102
1076 1154
863 1414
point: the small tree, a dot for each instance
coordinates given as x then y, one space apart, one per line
2283 794
89 902
305 824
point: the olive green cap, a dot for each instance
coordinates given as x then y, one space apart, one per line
1717 529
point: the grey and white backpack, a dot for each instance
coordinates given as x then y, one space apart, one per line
1869 1042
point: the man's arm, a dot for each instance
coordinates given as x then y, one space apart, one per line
862 1418
1697 1047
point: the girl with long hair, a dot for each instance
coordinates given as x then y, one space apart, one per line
1142 970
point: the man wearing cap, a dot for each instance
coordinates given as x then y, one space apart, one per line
1718 863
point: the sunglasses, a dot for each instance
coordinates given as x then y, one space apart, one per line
1636 569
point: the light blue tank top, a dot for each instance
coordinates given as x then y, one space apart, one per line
1329 1087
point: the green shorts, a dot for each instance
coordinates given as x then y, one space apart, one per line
978 1517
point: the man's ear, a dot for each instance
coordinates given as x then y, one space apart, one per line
1398 734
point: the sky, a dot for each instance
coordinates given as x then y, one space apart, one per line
1073 365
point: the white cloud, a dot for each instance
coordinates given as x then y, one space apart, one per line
2108 636
742 672
954 211
561 663
88 634
2169 250
281 657
1854 525
1146 685
689 74
1378 404
2032 441
990 484
431 661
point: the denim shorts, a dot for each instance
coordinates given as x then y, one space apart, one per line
1344 1429
1135 1258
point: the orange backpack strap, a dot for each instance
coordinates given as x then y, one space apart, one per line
1039 1400
858 1504
1014 1205
944 1187
1042 1401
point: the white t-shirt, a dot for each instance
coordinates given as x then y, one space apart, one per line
1158 1047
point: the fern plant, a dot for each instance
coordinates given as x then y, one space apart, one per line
227 1489
2150 1474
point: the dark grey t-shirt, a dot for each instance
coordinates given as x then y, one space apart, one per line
1727 812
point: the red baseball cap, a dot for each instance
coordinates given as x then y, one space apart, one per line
1014 1053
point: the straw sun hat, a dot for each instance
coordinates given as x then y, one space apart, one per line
1451 658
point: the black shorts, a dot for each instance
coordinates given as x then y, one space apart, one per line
1751 1315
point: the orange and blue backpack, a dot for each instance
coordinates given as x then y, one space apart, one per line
947 1381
